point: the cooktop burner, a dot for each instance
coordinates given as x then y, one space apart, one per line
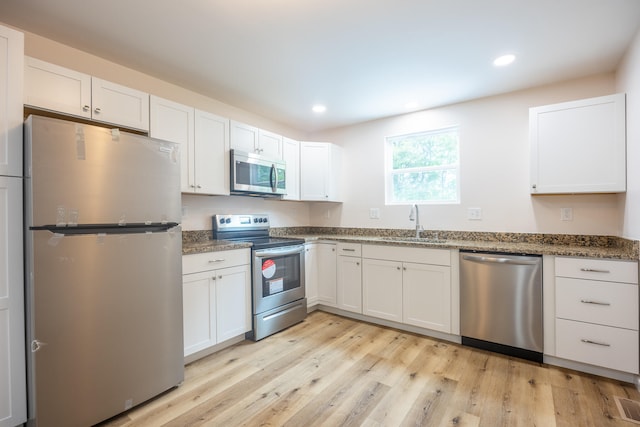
252 228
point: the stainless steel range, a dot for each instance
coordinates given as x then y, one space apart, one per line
278 290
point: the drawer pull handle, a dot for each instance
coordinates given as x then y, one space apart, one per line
211 261
349 250
586 301
594 270
596 343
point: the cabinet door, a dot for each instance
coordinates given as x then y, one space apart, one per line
199 302
382 289
426 292
579 147
12 328
175 122
56 88
327 286
233 302
291 156
120 105
349 273
11 78
211 154
270 144
314 170
244 137
311 273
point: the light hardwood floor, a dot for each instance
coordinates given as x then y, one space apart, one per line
334 371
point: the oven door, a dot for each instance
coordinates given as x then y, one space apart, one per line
278 277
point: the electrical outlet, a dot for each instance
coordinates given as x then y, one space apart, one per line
474 214
374 213
566 214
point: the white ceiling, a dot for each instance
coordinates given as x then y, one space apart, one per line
364 59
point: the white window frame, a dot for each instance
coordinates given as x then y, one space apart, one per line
389 173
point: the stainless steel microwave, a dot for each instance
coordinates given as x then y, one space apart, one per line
256 175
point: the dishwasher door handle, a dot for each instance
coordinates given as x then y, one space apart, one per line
498 260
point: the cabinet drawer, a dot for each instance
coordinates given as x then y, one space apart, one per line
403 254
606 303
604 346
214 260
598 269
350 249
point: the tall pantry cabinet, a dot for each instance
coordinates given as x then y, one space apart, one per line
13 409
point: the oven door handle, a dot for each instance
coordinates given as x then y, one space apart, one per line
288 250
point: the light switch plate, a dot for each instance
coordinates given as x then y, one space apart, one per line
566 214
374 213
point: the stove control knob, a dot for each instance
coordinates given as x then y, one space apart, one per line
265 220
221 221
228 220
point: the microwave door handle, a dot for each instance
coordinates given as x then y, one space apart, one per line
274 178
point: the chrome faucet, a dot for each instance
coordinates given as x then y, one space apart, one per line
415 216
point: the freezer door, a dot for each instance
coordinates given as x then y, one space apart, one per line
105 317
82 174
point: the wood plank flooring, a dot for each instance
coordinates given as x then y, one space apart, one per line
334 371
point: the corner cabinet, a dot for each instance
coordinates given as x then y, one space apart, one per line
13 395
320 171
204 143
216 298
58 89
579 146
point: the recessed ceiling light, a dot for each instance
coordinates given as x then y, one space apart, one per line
503 60
319 108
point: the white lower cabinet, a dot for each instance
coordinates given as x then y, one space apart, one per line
349 277
320 273
596 310
407 285
382 289
426 296
216 298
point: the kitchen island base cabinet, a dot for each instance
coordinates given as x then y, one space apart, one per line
216 302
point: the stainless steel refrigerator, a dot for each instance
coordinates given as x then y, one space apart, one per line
104 293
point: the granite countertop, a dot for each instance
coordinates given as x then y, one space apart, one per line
546 244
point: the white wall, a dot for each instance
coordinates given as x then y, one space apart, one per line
629 81
494 153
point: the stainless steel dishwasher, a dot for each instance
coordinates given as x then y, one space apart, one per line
501 303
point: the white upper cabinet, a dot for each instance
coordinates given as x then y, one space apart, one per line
291 157
55 88
212 154
320 171
11 60
51 87
113 103
254 140
579 146
204 144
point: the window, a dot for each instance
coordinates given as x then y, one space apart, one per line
422 167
